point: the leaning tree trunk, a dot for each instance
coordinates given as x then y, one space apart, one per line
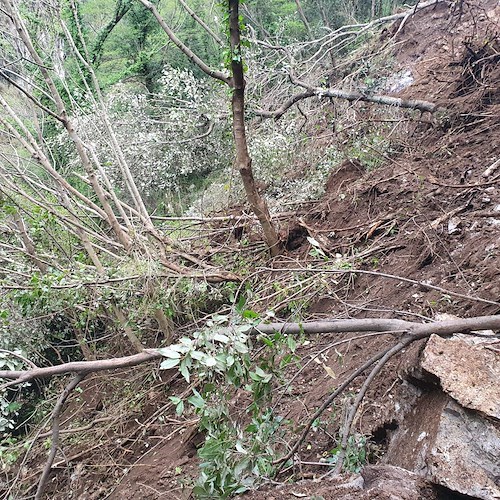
243 160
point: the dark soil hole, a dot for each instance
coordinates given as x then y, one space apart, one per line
423 380
444 493
380 434
238 232
426 260
296 237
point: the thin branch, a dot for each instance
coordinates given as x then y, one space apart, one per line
56 415
359 398
19 356
278 113
414 333
391 276
326 349
202 23
30 96
197 137
75 430
329 400
183 47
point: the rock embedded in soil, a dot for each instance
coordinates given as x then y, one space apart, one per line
376 482
464 454
395 482
451 435
450 446
467 371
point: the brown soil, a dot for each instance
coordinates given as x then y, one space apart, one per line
427 214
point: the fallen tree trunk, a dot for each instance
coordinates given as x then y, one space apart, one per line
447 327
411 329
351 95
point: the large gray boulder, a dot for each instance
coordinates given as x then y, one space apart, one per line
468 370
451 435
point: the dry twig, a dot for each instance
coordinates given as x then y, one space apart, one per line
56 415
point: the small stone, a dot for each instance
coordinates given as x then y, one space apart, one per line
454 225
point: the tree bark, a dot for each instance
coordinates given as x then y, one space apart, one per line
360 96
302 16
243 160
401 328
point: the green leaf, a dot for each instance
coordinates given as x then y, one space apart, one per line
239 447
252 428
169 363
240 306
198 355
209 361
267 341
219 337
240 347
249 314
197 400
292 344
241 489
179 409
169 353
184 370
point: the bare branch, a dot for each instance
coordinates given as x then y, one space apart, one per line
19 356
421 284
29 95
278 113
83 367
56 415
359 398
414 331
327 403
338 325
183 47
360 96
201 136
202 23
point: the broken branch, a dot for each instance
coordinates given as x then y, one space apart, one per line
360 96
56 414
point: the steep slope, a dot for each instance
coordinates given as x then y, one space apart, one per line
428 213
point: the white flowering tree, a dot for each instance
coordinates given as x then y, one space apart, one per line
167 138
